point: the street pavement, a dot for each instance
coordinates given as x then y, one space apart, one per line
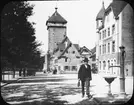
59 89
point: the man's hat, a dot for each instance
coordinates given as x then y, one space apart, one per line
85 60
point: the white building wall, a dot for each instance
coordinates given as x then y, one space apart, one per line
124 32
112 57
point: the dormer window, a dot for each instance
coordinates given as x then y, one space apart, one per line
100 35
109 31
113 46
113 28
103 33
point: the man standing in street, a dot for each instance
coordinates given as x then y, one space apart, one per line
84 75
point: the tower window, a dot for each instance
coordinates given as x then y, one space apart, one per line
100 35
108 64
100 65
104 65
73 52
104 33
108 31
108 47
100 49
113 28
113 46
103 48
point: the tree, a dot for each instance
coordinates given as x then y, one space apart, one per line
18 45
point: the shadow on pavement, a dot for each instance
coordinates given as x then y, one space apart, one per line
48 96
43 94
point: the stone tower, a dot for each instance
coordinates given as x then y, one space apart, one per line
56 26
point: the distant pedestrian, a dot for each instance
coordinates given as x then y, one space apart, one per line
84 75
55 70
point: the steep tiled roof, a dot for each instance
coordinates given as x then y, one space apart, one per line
101 13
117 6
76 46
56 18
84 48
60 44
93 50
65 49
65 39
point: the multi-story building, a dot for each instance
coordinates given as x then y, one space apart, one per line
62 53
114 27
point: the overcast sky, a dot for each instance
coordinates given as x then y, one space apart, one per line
81 15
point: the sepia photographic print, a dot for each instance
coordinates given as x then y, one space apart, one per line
67 52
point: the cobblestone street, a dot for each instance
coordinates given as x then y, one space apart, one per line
44 89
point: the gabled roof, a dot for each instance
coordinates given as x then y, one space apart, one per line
84 48
101 13
117 6
93 50
56 18
68 46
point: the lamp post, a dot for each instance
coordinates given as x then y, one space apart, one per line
122 76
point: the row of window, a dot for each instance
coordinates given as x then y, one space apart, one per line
102 65
72 68
73 52
106 33
105 48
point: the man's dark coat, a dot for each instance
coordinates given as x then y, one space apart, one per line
84 72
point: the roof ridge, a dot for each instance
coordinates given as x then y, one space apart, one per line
56 18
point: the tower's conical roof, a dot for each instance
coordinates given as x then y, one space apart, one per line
56 18
101 13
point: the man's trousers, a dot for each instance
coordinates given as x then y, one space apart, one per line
87 83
